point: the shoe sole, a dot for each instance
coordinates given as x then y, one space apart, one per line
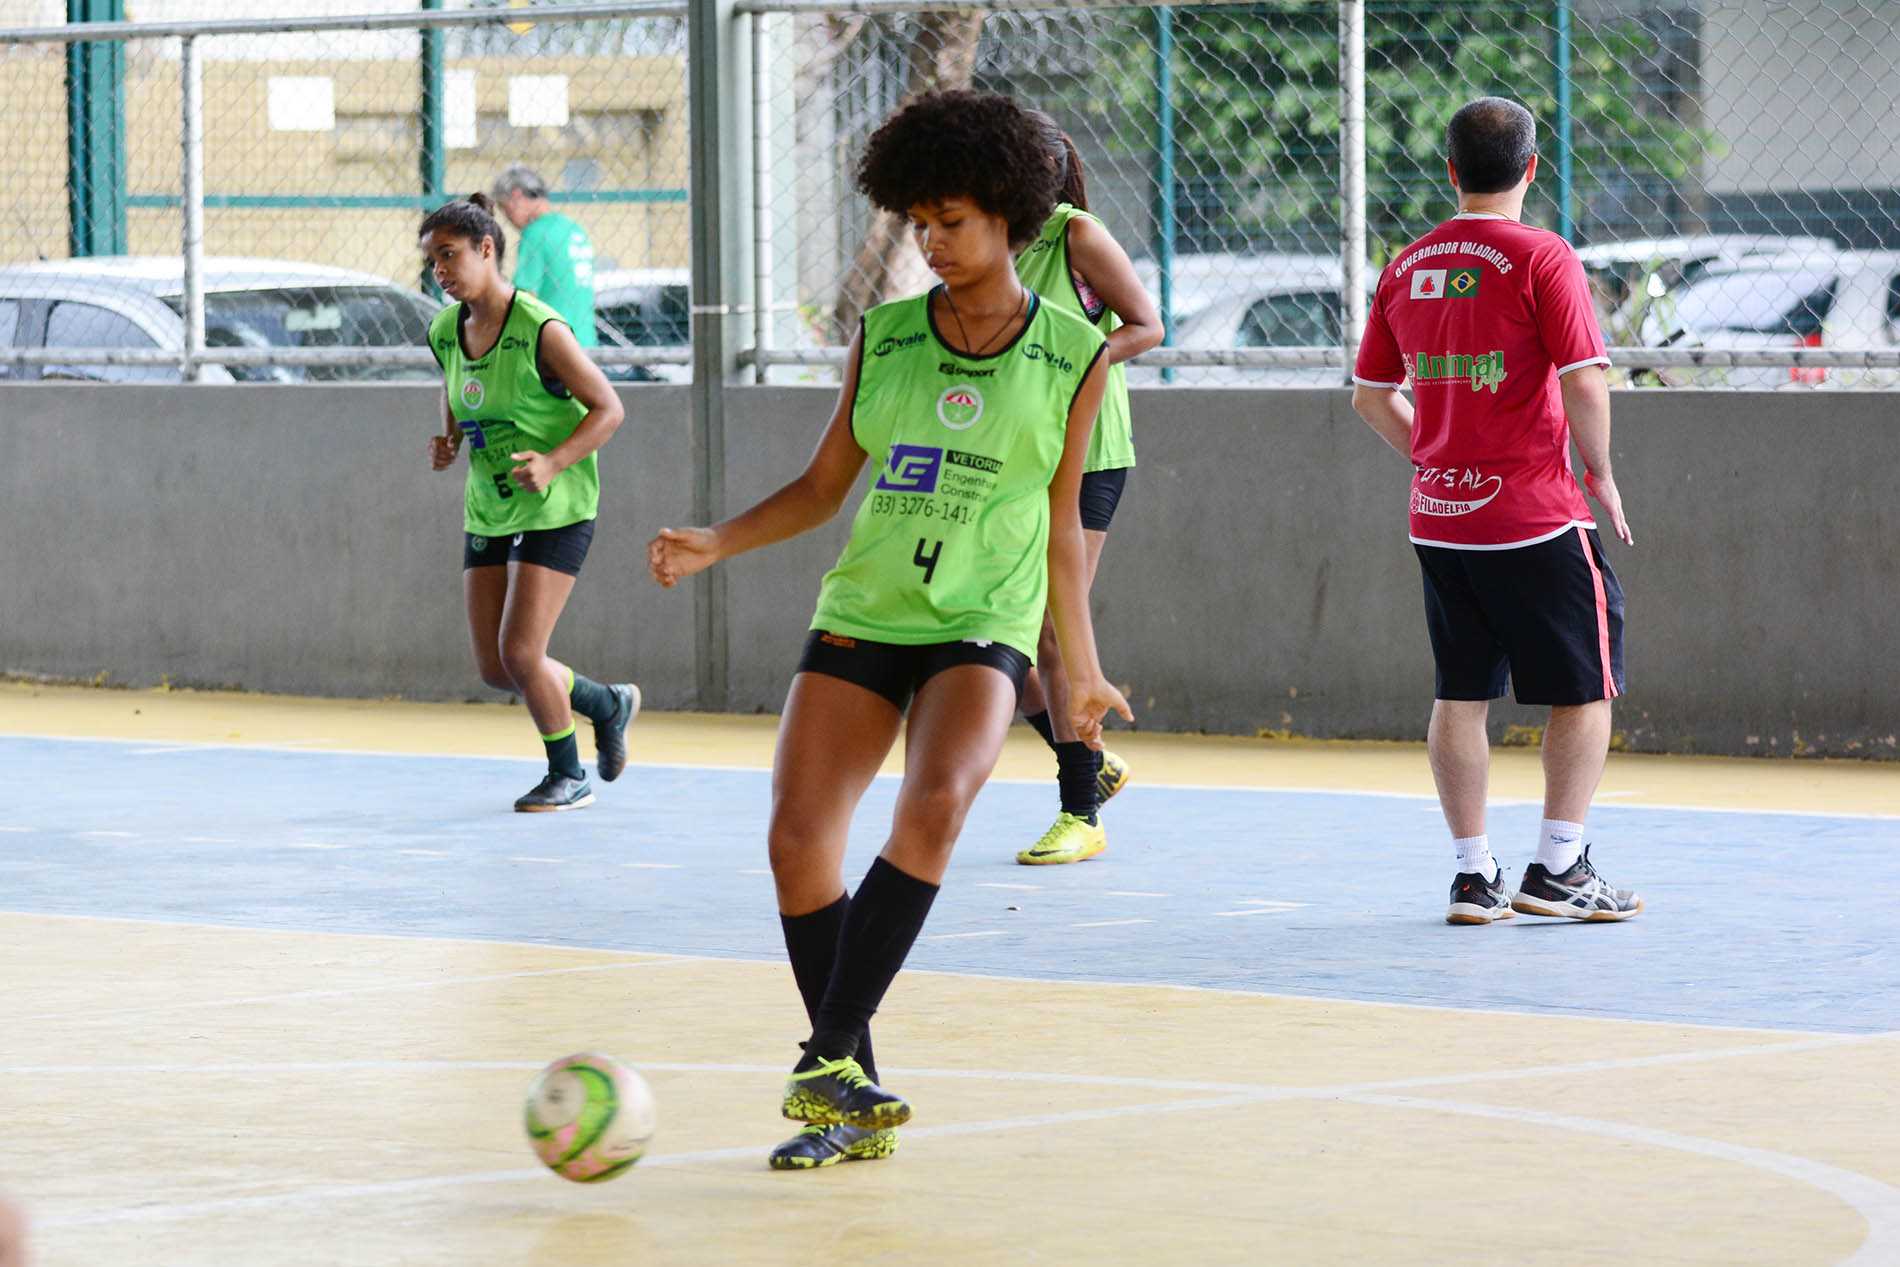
872 1148
632 714
1054 859
583 803
1551 910
817 1111
1472 913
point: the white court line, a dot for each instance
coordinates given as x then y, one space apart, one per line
994 884
22 830
298 996
989 932
421 853
1135 893
321 844
751 870
1088 983
1258 910
107 835
207 840
1271 901
539 861
1875 1202
1110 923
1428 797
660 866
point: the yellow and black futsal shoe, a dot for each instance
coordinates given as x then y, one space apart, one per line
556 792
1071 839
1111 778
610 736
816 1146
836 1093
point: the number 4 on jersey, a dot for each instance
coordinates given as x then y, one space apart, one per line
928 562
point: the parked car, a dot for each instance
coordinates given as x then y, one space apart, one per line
1226 302
1848 299
130 301
1628 276
645 307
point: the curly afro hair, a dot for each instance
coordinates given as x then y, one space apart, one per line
963 144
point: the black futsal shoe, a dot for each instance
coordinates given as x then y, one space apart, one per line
836 1093
1579 893
556 792
1476 900
610 736
816 1146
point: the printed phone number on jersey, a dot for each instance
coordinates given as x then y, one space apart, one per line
923 507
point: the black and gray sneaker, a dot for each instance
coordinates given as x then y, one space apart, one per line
1579 893
556 792
1476 900
610 736
836 1093
816 1146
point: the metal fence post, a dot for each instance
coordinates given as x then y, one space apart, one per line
191 76
717 99
95 135
1164 174
762 281
1352 193
1564 141
431 165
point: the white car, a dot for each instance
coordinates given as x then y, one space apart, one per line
645 307
1229 302
133 301
1847 299
1627 276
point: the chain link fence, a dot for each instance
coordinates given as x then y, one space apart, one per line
1729 170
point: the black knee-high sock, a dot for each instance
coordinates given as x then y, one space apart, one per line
1076 767
886 914
812 942
1040 723
590 699
564 755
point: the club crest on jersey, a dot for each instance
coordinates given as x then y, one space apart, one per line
1428 283
473 393
911 468
960 407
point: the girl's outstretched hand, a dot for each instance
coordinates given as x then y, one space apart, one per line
677 553
1089 702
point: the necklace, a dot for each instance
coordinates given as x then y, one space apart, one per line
1022 305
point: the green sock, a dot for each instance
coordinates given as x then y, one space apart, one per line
590 699
564 754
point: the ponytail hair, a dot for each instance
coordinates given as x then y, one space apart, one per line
1062 152
472 217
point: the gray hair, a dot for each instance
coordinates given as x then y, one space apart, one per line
523 178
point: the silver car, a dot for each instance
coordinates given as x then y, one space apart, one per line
136 302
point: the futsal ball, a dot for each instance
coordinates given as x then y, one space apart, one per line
589 1118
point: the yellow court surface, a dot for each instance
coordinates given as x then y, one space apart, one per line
278 974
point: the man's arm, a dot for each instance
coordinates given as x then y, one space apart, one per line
1388 412
1587 404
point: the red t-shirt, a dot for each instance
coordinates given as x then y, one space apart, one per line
1482 315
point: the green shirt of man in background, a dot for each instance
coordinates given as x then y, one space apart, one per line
555 258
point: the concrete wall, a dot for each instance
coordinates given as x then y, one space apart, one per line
1258 578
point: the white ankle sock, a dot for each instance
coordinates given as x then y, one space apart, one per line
1559 845
1474 855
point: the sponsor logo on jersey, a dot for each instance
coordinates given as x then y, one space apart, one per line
888 345
1048 356
1481 371
973 461
514 343
960 407
911 468
1463 282
472 428
473 393
954 370
1478 490
1428 283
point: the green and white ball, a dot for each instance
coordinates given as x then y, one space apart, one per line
589 1117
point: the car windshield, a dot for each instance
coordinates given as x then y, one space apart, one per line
318 317
1758 301
646 316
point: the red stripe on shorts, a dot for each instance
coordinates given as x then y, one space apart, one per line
1603 615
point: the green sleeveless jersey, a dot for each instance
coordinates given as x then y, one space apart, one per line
951 541
504 406
1044 268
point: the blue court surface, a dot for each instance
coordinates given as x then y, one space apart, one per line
1753 919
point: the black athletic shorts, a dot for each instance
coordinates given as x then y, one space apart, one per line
563 549
895 671
1101 494
1547 616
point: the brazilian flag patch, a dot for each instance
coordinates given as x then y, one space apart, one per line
1463 282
